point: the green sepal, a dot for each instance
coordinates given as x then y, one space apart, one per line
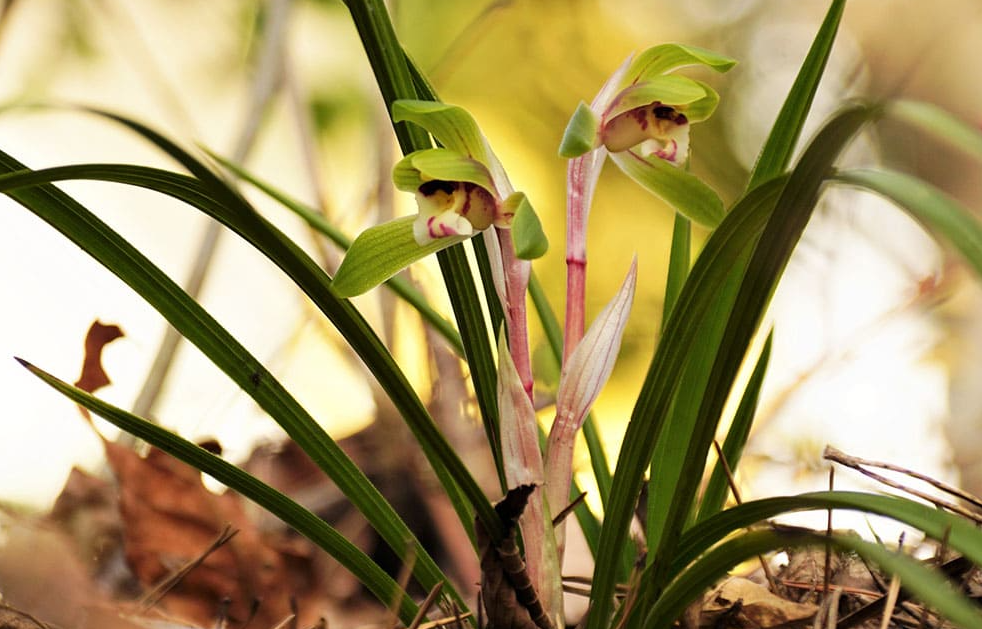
683 191
527 233
419 167
672 90
451 125
581 133
380 252
667 57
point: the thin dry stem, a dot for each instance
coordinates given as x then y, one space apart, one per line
855 461
425 606
731 481
837 456
891 603
405 573
152 597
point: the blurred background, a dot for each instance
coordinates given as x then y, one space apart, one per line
878 333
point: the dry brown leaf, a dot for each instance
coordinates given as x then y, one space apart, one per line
750 605
170 518
93 376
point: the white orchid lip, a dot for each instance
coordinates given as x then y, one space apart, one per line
662 129
452 208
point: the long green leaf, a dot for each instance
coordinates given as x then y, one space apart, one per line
233 211
389 64
960 534
659 482
675 451
302 520
927 204
718 487
766 265
397 79
780 144
116 254
940 123
734 236
679 260
922 581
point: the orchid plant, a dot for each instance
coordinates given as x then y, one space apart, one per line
641 120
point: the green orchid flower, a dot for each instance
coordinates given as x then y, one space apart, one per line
642 117
456 194
461 189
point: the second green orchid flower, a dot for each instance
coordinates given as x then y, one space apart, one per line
643 116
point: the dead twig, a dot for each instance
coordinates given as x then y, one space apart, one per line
856 463
425 606
942 486
731 481
151 598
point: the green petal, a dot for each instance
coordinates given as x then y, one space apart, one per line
380 252
448 165
530 240
405 175
667 57
685 192
669 90
704 107
581 132
452 126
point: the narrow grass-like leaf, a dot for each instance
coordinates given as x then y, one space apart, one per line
938 122
380 252
734 236
286 509
674 456
238 215
921 580
779 147
389 64
961 535
763 271
679 260
395 76
683 191
313 218
932 207
107 247
477 345
718 486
